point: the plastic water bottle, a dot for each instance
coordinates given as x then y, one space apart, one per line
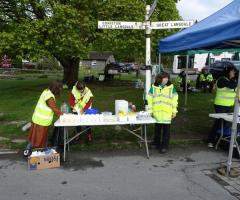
64 107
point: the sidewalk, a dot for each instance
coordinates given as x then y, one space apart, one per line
183 173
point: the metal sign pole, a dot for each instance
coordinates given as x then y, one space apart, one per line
148 54
147 26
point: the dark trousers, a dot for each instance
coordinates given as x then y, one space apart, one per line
162 135
79 129
183 86
206 84
217 124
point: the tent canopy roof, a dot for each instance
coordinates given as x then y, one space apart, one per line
217 33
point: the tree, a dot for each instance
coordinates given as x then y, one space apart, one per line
67 29
130 44
62 28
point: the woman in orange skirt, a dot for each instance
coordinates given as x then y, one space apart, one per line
43 116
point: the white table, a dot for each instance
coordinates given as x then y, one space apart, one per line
142 136
229 118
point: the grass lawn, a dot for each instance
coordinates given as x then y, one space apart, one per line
18 99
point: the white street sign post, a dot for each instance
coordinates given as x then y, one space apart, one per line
147 26
171 24
120 25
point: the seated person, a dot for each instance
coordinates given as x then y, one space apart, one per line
180 82
205 81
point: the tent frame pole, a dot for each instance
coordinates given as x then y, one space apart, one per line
234 127
159 59
185 98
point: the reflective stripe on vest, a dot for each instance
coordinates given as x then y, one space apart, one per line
206 78
81 99
43 115
163 117
162 99
225 97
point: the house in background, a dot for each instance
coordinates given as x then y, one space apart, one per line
198 61
98 59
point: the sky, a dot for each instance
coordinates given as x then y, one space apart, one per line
200 9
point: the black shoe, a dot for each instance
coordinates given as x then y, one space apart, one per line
163 150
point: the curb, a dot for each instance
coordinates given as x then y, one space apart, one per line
7 151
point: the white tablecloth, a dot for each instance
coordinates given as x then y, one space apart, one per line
148 121
225 116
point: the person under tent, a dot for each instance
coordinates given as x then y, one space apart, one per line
205 81
224 100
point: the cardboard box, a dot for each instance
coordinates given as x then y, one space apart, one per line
44 162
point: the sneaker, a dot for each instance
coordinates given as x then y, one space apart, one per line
210 145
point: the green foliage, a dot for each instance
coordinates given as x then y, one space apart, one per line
48 63
69 28
130 44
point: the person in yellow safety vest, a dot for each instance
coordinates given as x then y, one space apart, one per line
80 100
224 100
206 80
162 103
43 116
180 82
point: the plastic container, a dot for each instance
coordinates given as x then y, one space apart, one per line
64 107
122 118
91 111
106 113
121 106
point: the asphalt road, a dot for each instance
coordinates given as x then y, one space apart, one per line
120 175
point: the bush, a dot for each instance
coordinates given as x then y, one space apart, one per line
17 63
48 64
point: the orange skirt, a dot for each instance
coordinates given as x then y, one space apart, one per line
38 136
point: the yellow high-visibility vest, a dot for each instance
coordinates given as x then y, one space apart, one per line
81 99
43 115
209 77
225 96
162 103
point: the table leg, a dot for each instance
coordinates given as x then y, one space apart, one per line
145 138
140 141
64 144
237 146
68 145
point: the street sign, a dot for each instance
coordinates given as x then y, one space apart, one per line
171 24
147 26
120 25
153 6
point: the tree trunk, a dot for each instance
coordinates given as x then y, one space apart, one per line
70 70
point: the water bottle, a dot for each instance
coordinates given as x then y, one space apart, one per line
64 107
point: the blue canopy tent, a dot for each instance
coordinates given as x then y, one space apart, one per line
219 32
